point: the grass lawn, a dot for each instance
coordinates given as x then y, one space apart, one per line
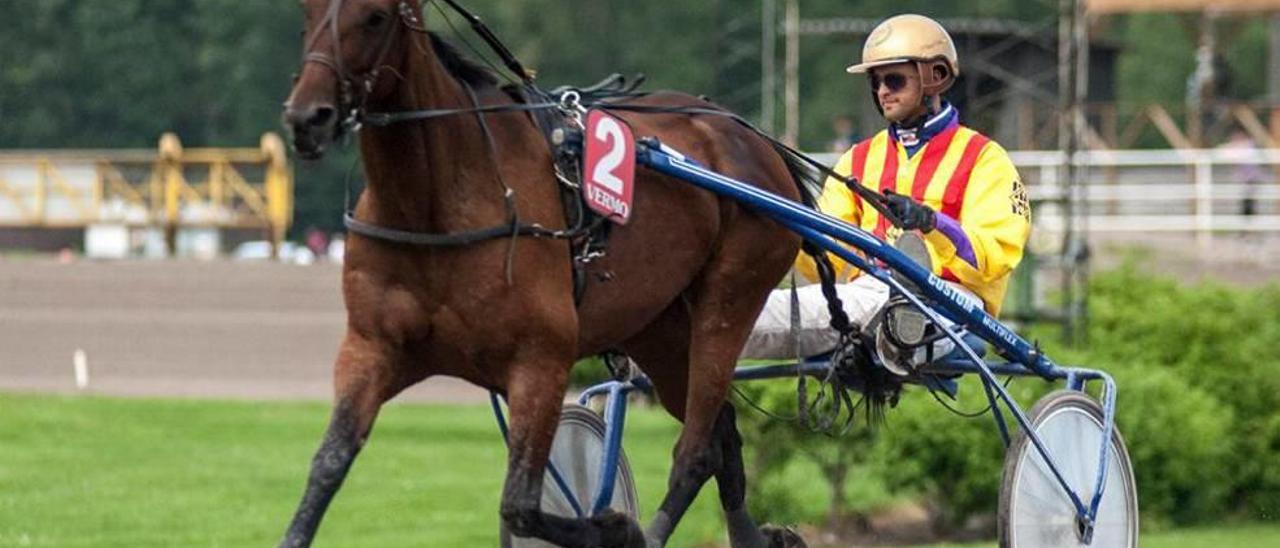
1241 536
84 471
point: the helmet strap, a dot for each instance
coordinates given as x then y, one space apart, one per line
918 122
926 99
931 87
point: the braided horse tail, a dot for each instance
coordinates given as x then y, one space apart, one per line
879 388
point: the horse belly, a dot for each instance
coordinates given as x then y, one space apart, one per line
649 262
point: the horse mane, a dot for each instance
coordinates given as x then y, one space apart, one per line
459 66
808 181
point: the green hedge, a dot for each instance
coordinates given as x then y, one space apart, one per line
1223 341
1198 370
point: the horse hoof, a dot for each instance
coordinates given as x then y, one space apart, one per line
618 530
782 537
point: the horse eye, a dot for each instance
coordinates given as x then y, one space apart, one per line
376 19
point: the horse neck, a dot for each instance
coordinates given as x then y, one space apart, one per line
433 175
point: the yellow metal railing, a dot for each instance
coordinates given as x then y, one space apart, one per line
170 187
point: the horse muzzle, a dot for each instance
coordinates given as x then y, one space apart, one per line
312 127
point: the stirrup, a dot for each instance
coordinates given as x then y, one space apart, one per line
913 246
901 330
909 324
906 323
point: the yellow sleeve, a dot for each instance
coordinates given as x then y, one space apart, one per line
995 217
838 201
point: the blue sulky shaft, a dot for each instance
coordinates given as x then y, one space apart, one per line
823 230
668 161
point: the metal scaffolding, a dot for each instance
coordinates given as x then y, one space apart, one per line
1073 91
167 188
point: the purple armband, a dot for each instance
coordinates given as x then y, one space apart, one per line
952 230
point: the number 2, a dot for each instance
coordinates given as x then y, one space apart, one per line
610 133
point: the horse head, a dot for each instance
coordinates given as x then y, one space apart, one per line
349 48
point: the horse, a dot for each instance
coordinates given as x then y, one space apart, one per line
690 271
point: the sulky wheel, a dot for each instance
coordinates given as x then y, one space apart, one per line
1035 511
577 452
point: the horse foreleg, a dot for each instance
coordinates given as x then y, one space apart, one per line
363 381
534 397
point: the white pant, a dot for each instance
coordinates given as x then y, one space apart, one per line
862 298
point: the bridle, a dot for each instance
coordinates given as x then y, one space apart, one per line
354 89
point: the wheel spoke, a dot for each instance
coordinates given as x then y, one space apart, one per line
1038 512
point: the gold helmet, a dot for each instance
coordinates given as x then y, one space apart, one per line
907 38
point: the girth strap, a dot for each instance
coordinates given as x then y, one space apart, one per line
451 239
390 118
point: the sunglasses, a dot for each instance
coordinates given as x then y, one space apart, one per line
894 81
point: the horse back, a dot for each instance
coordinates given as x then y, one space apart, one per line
677 229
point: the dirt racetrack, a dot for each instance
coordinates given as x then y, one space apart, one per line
218 329
265 330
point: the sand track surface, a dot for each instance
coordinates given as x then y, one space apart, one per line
221 329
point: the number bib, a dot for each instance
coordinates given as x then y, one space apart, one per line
609 169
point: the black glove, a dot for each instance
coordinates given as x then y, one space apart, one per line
914 216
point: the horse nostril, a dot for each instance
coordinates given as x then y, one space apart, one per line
322 116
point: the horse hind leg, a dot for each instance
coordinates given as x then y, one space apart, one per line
720 320
708 443
363 380
663 352
534 395
723 460
698 454
732 481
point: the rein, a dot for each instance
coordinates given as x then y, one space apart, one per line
877 200
569 105
383 119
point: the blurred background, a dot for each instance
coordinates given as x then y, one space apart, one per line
169 273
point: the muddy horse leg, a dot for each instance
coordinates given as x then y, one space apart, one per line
534 396
363 381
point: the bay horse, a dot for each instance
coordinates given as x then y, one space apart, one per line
690 271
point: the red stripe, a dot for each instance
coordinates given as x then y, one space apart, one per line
860 158
953 200
949 276
934 150
889 177
859 165
888 181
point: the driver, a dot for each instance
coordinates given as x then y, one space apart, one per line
952 187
